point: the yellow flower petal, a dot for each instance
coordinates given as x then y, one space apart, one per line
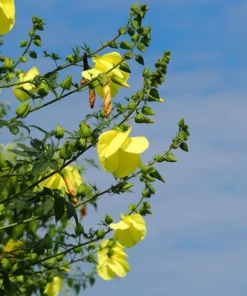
128 163
119 225
110 164
116 142
112 57
104 140
7 16
135 145
90 74
53 288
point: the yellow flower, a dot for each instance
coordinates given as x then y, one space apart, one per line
11 246
53 288
130 230
103 64
112 261
7 16
120 154
20 94
69 179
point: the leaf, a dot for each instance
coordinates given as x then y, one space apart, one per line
59 208
39 167
48 205
70 210
37 144
14 129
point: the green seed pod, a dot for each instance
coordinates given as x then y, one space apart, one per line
128 55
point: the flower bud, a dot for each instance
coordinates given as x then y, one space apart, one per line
125 45
10 76
23 110
59 132
31 33
8 63
170 158
140 118
85 130
66 150
81 144
33 54
108 219
23 43
66 84
23 59
146 110
37 42
70 58
132 106
122 31
125 67
101 234
79 229
128 55
116 79
43 89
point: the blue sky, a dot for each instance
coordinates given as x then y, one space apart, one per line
197 238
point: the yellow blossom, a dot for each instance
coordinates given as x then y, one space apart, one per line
53 288
20 94
11 246
112 260
104 64
69 179
130 230
119 154
7 16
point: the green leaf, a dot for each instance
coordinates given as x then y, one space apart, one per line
59 208
48 205
39 167
14 129
139 59
37 144
70 210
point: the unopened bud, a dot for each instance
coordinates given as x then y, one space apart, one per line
43 89
23 110
85 130
66 84
59 132
8 63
